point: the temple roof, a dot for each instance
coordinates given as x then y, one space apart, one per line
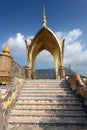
45 39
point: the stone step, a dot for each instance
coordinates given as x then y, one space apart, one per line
49 120
50 82
33 106
48 111
45 114
47 127
46 91
48 97
61 108
47 88
49 91
48 100
46 94
39 91
48 103
44 85
45 81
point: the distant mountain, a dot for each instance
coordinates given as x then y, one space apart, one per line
69 71
50 73
45 74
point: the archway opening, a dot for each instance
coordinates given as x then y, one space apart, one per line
45 66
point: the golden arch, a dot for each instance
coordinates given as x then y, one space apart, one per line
45 39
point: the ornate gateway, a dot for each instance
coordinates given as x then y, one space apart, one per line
45 39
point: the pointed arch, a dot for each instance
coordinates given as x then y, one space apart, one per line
45 39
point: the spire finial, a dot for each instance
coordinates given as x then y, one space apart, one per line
44 17
6 49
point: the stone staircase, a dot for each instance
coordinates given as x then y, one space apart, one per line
47 104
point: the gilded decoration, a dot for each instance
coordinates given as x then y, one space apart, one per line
45 39
6 49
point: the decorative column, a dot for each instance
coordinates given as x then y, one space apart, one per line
62 72
28 69
28 73
34 75
56 75
56 66
56 70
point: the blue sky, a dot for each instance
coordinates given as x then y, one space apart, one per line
20 19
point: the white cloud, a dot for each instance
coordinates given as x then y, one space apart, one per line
73 35
17 47
75 51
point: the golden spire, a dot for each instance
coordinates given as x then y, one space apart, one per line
6 49
44 17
